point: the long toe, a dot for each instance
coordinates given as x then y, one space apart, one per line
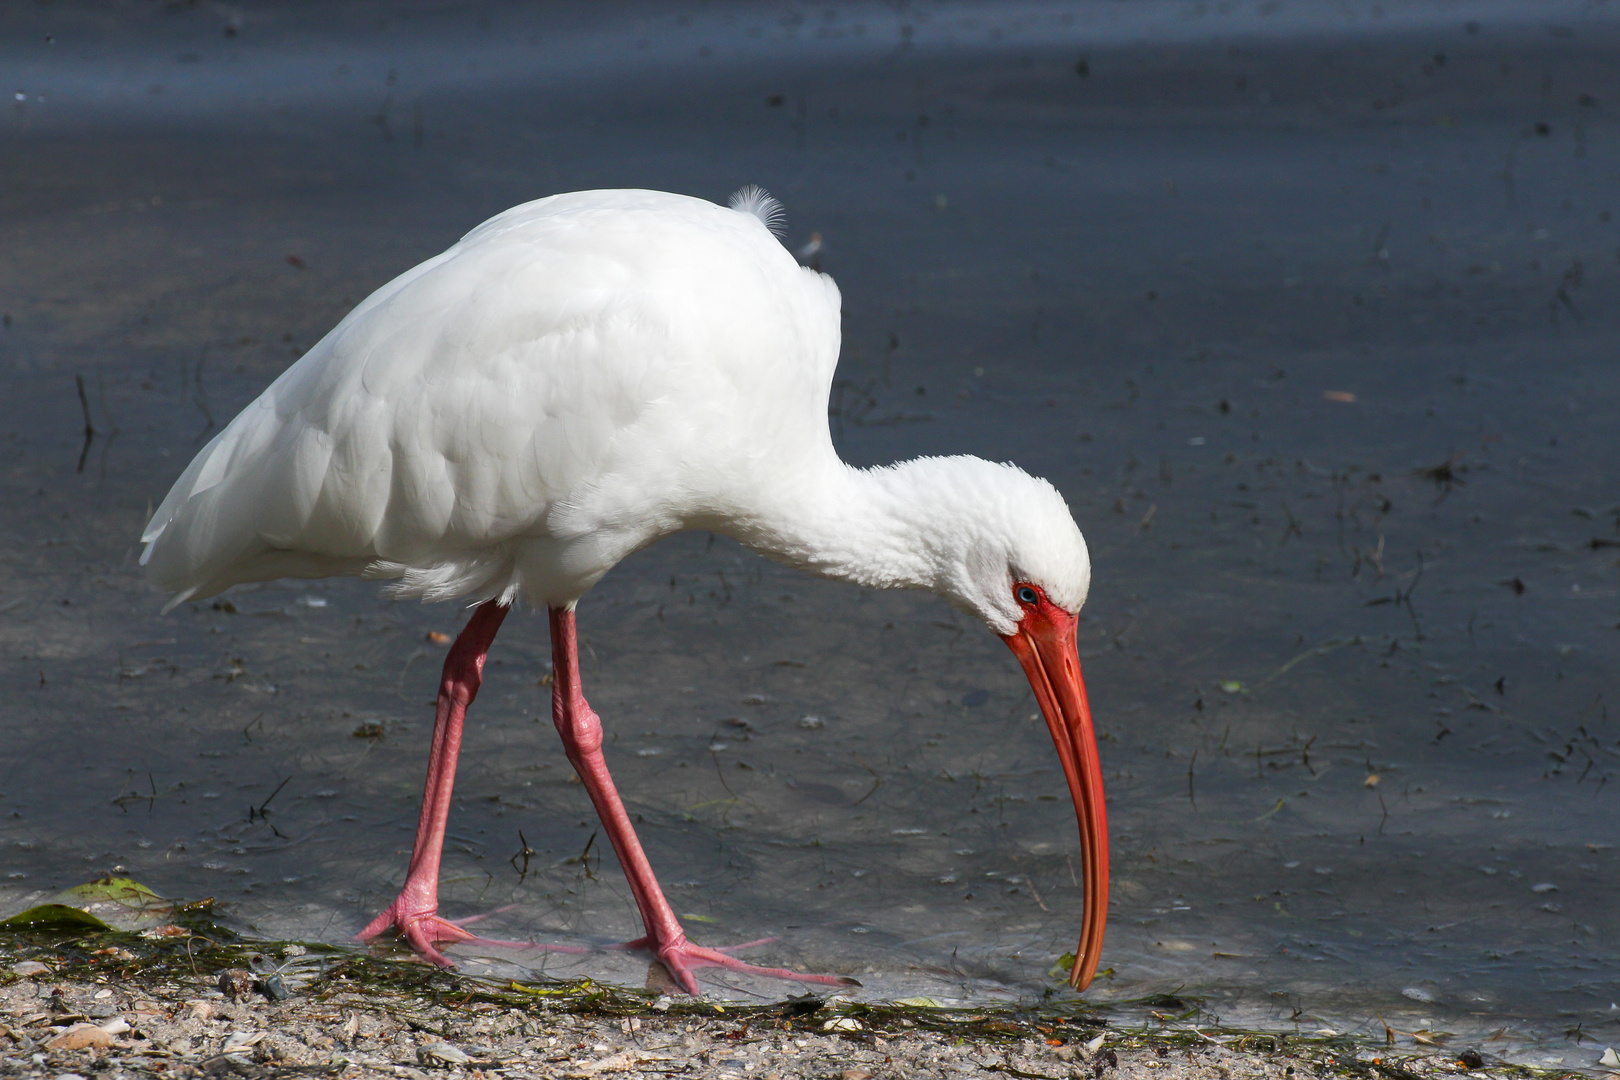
423 935
682 958
438 930
382 922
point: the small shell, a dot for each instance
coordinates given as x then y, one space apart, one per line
441 1054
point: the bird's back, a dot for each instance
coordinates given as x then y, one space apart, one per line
573 379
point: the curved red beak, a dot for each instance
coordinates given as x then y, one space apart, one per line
1045 645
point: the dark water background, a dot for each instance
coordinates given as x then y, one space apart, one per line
1307 308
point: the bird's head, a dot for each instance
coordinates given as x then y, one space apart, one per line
1002 545
1011 546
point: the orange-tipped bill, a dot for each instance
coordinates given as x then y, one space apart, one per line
1045 645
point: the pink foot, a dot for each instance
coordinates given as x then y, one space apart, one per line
424 930
680 958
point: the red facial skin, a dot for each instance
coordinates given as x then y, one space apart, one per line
1045 645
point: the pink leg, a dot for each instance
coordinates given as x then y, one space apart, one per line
414 912
581 731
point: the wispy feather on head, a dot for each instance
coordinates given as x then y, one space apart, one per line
753 199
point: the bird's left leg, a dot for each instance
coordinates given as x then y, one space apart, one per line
581 731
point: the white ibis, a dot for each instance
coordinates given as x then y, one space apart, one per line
576 378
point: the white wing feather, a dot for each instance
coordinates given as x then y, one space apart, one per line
575 378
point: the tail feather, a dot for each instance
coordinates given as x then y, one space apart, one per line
753 199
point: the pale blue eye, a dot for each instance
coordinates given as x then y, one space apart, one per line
1026 595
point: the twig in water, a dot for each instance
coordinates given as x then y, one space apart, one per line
89 428
259 812
584 857
525 853
721 773
1321 650
1292 528
1405 597
875 786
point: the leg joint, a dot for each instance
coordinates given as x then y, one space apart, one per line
580 728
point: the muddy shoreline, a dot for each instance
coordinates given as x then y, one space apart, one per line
193 1002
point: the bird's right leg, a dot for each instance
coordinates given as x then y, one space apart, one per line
414 913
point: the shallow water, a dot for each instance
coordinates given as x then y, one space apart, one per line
1308 312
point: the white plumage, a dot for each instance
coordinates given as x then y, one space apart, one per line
576 378
573 380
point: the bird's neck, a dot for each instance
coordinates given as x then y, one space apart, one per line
872 527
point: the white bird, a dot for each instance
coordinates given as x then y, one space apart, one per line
575 379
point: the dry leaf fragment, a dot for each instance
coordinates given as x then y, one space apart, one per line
169 930
623 1061
80 1036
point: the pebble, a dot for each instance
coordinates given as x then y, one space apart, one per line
30 967
236 983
